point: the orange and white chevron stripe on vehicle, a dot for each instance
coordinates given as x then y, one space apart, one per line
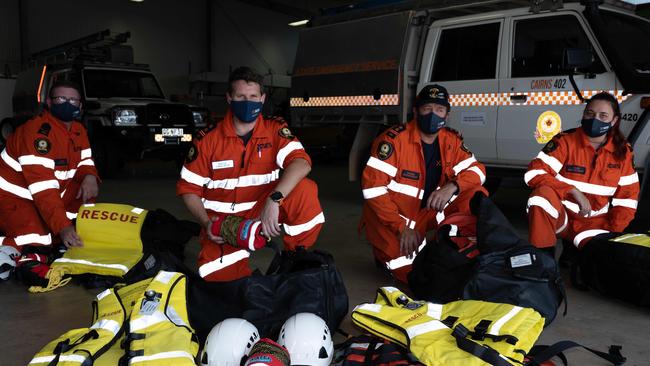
346 101
533 98
460 100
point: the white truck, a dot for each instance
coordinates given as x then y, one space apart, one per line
517 72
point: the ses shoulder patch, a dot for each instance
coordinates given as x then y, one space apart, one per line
192 153
385 150
42 145
550 146
286 133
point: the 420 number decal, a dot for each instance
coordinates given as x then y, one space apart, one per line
633 117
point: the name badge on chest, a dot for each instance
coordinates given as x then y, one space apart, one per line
223 164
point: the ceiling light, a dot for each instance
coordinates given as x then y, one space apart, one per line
299 23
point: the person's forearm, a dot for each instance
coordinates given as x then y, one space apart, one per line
195 206
292 175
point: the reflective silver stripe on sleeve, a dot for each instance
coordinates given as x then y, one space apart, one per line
532 174
628 179
555 164
10 161
191 177
370 193
36 160
464 164
629 203
588 187
38 187
382 166
86 153
285 151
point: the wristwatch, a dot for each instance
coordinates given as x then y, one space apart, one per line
277 197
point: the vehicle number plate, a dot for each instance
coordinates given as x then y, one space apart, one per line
172 132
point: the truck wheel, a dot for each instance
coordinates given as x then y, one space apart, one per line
6 129
108 158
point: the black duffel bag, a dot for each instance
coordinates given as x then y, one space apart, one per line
524 276
507 270
617 265
301 281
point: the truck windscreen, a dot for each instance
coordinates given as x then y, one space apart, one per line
624 39
100 83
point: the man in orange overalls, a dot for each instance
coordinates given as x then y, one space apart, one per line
234 168
417 174
46 173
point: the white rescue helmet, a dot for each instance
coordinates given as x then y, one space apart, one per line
228 342
308 340
8 257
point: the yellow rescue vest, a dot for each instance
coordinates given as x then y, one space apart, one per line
145 323
449 334
112 244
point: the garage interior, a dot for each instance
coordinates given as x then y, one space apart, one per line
192 46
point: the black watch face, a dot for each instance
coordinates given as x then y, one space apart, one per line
276 196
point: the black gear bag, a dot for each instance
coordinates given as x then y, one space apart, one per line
300 281
507 270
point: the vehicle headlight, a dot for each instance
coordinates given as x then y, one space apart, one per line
125 117
200 118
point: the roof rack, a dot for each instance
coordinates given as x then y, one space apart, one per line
446 8
102 46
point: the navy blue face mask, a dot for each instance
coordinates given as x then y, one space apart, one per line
246 110
594 127
65 111
430 123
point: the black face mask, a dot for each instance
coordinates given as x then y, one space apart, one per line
430 123
66 112
594 127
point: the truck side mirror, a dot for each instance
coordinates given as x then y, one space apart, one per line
577 58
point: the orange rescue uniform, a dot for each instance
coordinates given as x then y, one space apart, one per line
569 161
236 179
393 188
41 169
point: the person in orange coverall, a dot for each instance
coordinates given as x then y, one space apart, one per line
46 173
584 182
234 168
417 174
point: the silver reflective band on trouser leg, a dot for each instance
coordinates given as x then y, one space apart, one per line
544 204
293 230
223 262
588 234
564 225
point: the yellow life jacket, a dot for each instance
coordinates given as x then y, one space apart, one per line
145 323
112 244
464 332
642 240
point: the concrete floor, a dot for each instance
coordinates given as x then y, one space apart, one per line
29 321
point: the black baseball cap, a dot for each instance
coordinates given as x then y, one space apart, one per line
433 94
